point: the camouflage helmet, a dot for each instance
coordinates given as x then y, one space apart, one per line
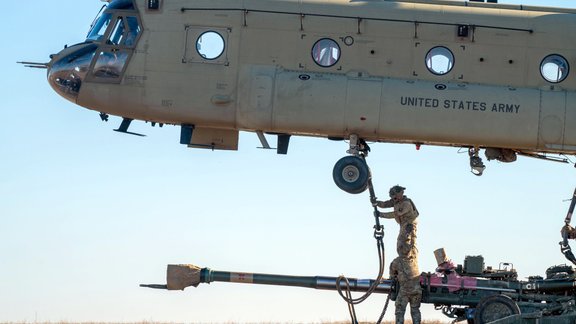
396 189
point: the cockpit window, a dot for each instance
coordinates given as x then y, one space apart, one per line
117 34
99 28
105 17
110 64
133 31
124 32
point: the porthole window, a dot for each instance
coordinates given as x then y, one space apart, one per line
210 45
439 60
326 52
554 68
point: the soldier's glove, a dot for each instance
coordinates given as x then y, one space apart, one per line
569 232
374 201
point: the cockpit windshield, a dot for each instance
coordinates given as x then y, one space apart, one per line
99 27
124 32
105 17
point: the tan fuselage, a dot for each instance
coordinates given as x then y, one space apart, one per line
380 88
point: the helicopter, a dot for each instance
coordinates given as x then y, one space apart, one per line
470 74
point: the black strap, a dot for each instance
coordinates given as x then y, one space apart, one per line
564 245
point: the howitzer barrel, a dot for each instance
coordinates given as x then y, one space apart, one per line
182 276
550 286
316 282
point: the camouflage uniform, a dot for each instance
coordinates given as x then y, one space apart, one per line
405 271
405 214
405 267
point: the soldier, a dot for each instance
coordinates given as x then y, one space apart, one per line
405 271
405 267
405 214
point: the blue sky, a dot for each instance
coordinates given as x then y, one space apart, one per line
86 214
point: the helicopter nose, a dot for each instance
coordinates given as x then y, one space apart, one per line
68 69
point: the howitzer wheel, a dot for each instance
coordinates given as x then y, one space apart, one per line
495 307
351 174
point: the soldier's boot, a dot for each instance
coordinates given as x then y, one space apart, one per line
416 316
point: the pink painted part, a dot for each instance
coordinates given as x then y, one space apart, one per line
454 282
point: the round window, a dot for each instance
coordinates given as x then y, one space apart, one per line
554 68
326 52
439 60
210 45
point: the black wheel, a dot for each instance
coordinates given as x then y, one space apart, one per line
495 307
351 174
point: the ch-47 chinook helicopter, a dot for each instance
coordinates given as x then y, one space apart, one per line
428 72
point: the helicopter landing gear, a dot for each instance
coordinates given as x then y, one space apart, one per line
351 173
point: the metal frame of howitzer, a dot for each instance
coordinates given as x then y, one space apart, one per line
553 296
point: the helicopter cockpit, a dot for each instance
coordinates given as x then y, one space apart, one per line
126 27
103 56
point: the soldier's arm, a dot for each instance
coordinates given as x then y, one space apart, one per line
386 204
387 215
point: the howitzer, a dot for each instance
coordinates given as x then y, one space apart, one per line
468 293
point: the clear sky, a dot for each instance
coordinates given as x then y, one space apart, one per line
87 214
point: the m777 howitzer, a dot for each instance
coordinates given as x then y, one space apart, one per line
469 293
